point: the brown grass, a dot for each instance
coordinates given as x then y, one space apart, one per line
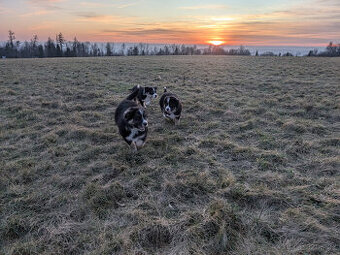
253 167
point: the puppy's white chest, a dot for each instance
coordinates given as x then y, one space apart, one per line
132 135
148 100
170 116
138 140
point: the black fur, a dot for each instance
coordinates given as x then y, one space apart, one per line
144 94
131 120
171 106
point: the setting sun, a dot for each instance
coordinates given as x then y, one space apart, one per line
216 43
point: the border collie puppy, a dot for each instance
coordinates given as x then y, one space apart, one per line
171 107
144 94
132 122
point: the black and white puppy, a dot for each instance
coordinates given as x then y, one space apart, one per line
132 122
171 106
144 95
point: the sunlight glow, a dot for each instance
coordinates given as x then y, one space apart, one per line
222 19
216 43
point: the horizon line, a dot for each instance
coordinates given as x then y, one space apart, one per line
192 44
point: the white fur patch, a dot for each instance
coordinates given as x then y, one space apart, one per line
139 143
138 140
170 116
147 100
131 136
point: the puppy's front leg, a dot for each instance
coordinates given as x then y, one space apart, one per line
176 121
133 146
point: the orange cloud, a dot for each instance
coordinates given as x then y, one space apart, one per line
36 13
222 18
42 26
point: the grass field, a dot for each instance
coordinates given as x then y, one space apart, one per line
253 167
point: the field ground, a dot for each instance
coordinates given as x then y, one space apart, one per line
253 168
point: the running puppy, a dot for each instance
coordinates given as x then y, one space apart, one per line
144 94
132 122
171 107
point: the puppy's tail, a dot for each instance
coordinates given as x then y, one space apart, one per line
135 88
165 90
134 93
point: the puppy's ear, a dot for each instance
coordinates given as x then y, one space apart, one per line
129 113
155 88
143 90
134 88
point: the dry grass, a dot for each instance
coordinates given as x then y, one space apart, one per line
253 168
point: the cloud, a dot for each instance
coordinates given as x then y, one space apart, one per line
50 4
45 1
93 4
200 7
87 14
150 32
166 33
99 18
126 5
328 2
36 13
222 19
208 26
278 32
101 5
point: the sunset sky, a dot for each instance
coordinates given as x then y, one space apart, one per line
247 22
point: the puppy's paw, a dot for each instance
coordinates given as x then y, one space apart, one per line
133 147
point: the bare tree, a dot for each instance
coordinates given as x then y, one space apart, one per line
60 40
108 49
34 46
50 49
11 38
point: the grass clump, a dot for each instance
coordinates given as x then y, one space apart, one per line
270 161
14 227
292 126
102 198
154 235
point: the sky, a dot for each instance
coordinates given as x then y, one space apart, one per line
235 22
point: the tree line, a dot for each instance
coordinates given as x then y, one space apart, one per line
60 47
332 50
